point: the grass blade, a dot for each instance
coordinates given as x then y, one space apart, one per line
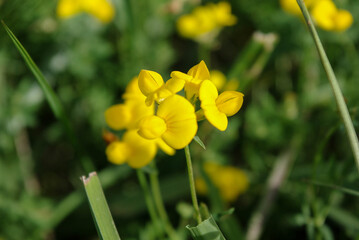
206 230
99 208
336 187
343 109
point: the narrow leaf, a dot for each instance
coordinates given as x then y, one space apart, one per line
199 141
336 187
206 230
99 208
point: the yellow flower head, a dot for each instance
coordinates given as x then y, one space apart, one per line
218 78
101 9
230 181
205 19
193 79
291 6
217 108
328 17
153 87
134 150
133 92
175 122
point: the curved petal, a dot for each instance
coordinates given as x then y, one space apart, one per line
343 20
164 147
152 127
216 118
118 116
149 81
142 151
179 115
199 71
68 8
229 102
175 84
207 92
117 152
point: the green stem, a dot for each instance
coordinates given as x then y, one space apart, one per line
343 109
191 184
155 186
148 199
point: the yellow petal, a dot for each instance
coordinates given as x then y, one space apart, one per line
343 20
133 92
229 102
199 71
101 9
181 76
149 82
178 113
117 152
208 93
138 110
175 85
164 147
152 127
68 8
187 26
323 13
118 116
216 118
142 152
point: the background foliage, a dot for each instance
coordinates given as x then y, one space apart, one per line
289 112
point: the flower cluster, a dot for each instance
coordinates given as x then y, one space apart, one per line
325 14
155 116
205 20
230 181
100 9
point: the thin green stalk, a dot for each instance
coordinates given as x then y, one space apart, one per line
191 184
157 196
149 201
343 109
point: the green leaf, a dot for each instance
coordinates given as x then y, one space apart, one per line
206 230
217 216
336 187
101 213
199 141
49 93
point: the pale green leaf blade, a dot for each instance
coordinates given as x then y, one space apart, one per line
199 141
99 208
206 230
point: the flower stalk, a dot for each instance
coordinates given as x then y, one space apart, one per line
192 185
343 109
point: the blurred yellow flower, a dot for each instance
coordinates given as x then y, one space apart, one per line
153 87
230 181
217 108
101 9
291 6
134 150
221 83
205 19
175 122
193 79
328 17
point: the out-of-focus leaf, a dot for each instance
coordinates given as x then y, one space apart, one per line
217 216
199 141
206 230
99 208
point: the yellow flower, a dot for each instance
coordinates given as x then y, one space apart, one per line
328 17
153 87
217 108
205 20
175 123
218 78
101 9
134 150
291 6
133 92
230 181
193 79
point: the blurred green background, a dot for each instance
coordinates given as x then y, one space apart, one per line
289 113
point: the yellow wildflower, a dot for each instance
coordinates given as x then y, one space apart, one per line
193 79
218 78
153 87
205 19
291 6
217 108
101 9
230 181
134 150
328 17
175 122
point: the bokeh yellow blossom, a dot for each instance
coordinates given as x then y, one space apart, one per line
193 79
175 122
103 10
291 6
221 83
328 17
134 150
205 19
230 181
217 108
